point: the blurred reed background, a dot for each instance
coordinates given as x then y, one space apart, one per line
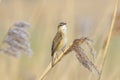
90 18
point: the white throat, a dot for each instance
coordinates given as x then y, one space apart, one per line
64 28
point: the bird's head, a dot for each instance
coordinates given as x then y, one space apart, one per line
62 26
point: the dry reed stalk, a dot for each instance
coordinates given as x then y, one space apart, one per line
80 54
67 50
107 42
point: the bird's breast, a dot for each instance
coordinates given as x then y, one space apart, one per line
62 43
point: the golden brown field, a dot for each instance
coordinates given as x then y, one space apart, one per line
91 18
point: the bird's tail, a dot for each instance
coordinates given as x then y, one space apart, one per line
52 63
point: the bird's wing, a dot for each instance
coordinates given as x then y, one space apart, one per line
56 41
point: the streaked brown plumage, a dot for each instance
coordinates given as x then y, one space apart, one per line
59 41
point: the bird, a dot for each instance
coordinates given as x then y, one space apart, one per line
59 41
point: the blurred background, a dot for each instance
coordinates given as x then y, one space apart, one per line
91 18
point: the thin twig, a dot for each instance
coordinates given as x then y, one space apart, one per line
67 50
50 66
109 38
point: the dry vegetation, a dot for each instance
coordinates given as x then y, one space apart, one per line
85 18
